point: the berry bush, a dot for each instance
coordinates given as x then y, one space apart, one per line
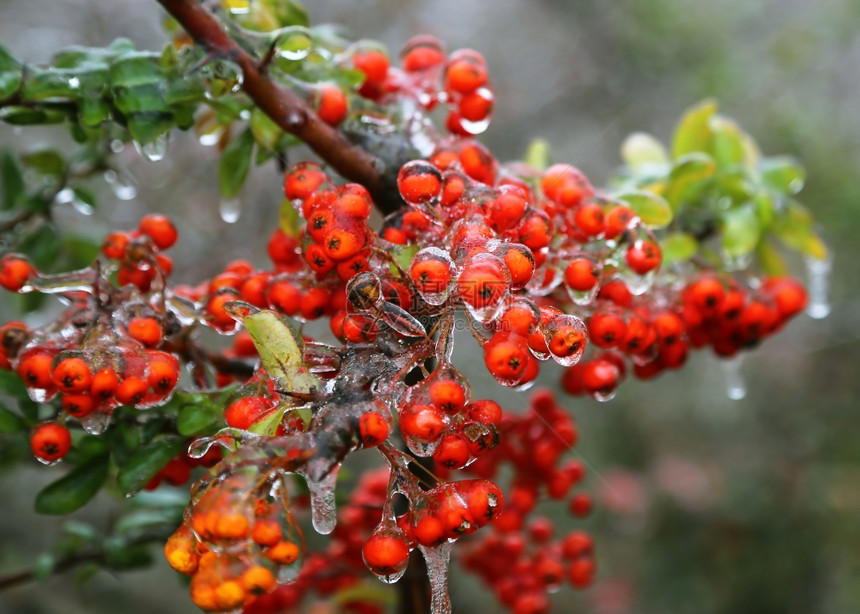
406 235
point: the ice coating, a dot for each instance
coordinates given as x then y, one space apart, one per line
736 388
818 279
438 559
323 510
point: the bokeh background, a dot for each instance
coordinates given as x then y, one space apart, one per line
705 505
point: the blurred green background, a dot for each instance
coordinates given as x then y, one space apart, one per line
706 505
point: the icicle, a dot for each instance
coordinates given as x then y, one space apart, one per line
736 387
323 511
155 150
230 210
818 277
122 184
437 559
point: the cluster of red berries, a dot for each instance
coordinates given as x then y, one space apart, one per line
654 335
426 76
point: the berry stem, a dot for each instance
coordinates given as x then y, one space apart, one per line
281 104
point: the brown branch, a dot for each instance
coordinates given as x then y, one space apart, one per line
282 105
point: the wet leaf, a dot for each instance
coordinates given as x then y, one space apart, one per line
693 132
782 174
726 145
770 260
652 209
280 353
25 116
538 155
268 425
265 131
144 463
235 163
290 221
136 68
75 489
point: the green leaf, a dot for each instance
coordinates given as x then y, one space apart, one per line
641 152
93 111
795 229
121 555
280 353
290 12
42 245
51 84
268 426
693 132
146 127
726 145
289 219
11 74
75 489
403 255
145 521
9 422
197 417
136 68
770 260
690 175
652 209
234 164
47 162
741 231
13 180
678 247
782 174
265 131
189 88
144 463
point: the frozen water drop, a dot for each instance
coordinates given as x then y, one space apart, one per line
154 151
230 210
438 559
122 184
295 44
323 510
818 281
74 83
736 387
237 7
117 146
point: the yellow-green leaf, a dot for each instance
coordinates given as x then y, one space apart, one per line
692 173
651 208
280 352
693 132
641 151
741 231
678 247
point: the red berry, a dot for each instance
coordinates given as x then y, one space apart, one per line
50 442
159 229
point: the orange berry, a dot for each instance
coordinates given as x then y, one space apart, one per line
332 105
160 229
131 391
146 330
72 375
50 442
15 271
78 405
266 532
448 395
373 429
283 553
257 580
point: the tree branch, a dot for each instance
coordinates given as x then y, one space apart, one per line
282 105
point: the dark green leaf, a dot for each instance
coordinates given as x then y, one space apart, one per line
93 111
144 463
13 181
9 422
196 418
42 245
24 116
186 89
693 132
75 489
234 164
43 567
47 162
121 555
146 127
51 84
10 74
143 521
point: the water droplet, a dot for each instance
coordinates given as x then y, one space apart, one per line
74 83
294 43
323 510
154 151
237 7
437 559
736 387
230 210
117 146
818 281
437 267
122 184
566 336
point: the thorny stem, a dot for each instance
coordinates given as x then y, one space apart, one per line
282 105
